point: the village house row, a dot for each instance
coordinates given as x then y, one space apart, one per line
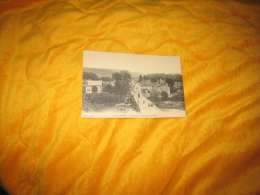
146 86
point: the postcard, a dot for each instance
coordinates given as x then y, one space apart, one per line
122 85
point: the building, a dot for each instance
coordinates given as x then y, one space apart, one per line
147 87
92 86
161 85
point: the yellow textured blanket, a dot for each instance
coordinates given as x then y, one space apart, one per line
47 148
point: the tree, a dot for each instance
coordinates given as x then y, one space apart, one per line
180 95
116 76
83 88
122 84
108 88
126 76
164 95
90 75
105 78
169 81
145 77
154 96
173 89
140 79
94 89
153 80
98 99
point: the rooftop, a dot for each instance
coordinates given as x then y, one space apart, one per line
92 82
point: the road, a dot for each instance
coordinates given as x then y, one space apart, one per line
145 105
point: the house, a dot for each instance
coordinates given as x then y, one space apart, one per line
161 85
147 87
92 86
137 87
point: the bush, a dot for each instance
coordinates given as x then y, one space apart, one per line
164 95
104 98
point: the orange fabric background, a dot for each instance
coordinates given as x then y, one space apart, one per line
47 148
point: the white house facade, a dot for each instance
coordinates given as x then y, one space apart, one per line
93 85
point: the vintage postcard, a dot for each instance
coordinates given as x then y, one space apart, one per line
120 85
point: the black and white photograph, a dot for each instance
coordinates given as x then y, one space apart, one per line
122 85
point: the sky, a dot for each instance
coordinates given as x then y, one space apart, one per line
140 63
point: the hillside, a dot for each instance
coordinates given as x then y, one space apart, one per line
135 75
107 72
174 77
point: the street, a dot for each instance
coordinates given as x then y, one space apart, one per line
144 104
